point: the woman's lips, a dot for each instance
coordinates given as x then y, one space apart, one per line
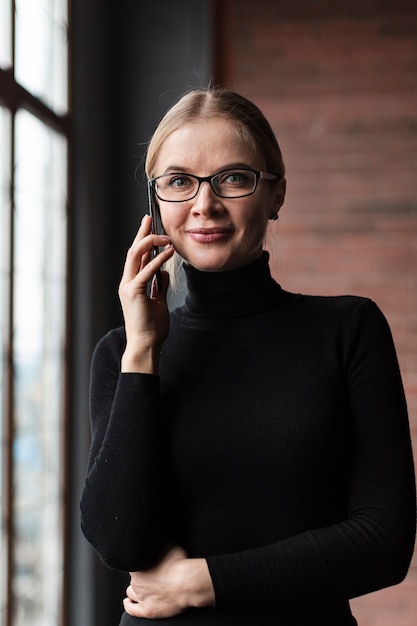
209 235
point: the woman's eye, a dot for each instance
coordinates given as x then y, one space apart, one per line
233 178
179 181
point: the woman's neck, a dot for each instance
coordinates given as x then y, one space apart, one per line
231 293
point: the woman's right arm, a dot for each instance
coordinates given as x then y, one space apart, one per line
123 498
146 317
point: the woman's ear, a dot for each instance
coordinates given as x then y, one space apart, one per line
280 194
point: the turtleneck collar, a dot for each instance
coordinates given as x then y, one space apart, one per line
232 293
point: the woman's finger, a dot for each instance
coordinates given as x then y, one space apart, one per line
148 271
145 259
130 593
155 294
132 608
140 253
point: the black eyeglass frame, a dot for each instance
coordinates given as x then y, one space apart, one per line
209 180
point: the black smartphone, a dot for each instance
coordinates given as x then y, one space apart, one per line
154 227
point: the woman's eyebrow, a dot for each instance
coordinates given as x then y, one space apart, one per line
229 166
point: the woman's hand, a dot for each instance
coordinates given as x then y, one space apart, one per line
146 317
175 584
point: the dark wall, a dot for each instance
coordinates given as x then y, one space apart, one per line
131 60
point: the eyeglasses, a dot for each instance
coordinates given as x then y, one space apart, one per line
236 183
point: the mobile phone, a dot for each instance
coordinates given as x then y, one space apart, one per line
154 228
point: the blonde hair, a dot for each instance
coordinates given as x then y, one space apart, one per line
249 121
202 104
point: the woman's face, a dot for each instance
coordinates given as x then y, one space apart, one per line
212 233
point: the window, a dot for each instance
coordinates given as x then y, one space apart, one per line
34 141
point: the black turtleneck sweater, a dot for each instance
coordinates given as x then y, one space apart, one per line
274 443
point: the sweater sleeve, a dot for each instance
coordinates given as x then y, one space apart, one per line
122 502
372 547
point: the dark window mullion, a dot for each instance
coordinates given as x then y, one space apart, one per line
9 434
15 96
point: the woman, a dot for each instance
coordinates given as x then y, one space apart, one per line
251 459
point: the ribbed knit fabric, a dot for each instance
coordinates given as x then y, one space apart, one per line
274 443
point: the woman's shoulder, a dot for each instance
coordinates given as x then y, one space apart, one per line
335 303
341 311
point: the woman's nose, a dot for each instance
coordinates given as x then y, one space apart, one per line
206 202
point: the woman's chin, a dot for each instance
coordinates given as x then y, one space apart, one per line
208 262
207 267
220 262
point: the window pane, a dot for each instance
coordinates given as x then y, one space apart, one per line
39 341
42 50
5 163
5 34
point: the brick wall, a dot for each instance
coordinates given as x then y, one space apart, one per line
338 82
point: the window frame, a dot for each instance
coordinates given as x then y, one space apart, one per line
14 97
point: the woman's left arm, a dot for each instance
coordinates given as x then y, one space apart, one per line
371 548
